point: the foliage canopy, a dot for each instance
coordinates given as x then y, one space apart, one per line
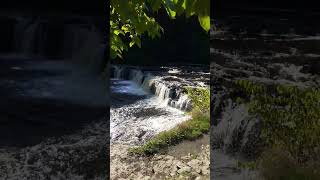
129 19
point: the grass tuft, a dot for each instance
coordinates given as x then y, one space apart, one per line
188 130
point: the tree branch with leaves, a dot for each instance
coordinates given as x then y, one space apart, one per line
130 19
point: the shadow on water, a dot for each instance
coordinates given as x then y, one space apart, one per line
28 121
121 95
120 99
25 120
15 69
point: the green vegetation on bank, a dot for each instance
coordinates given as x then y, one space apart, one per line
200 98
188 130
290 128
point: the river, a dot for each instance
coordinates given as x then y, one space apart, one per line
54 120
144 102
277 50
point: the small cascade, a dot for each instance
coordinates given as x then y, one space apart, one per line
148 82
25 36
171 96
184 102
117 72
162 91
136 76
85 51
29 39
18 33
237 131
59 39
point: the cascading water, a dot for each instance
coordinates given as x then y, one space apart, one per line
183 102
81 42
155 85
258 57
50 94
25 36
87 47
145 102
147 82
161 91
137 116
136 76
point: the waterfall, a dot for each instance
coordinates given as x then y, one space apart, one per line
87 47
148 82
162 91
136 76
183 102
18 33
236 131
25 34
171 96
117 72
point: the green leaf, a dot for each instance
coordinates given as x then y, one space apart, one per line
204 22
132 19
131 43
156 4
117 32
171 13
189 6
137 41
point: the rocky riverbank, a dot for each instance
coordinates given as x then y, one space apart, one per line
161 166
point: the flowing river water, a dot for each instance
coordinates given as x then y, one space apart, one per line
54 115
136 113
277 50
144 102
54 120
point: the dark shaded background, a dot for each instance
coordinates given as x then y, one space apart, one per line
26 121
183 41
222 8
277 16
96 7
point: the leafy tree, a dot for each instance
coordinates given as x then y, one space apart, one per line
130 19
